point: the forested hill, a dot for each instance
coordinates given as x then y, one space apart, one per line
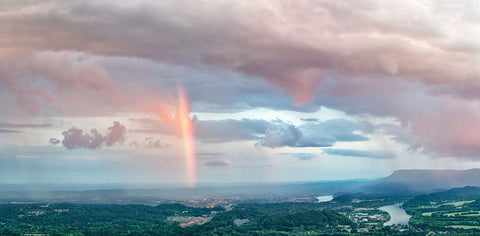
455 194
456 210
169 219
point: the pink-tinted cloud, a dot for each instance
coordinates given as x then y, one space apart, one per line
53 77
293 44
442 125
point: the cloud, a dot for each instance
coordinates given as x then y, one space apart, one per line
26 156
403 59
211 130
281 135
115 134
313 134
309 119
300 156
439 125
23 125
217 163
276 133
75 138
230 130
10 126
210 154
8 131
149 142
303 42
49 77
154 143
54 141
332 131
378 154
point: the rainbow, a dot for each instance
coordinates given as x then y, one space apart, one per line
188 134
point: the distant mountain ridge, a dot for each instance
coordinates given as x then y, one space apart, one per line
424 181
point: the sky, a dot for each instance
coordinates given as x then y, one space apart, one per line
218 91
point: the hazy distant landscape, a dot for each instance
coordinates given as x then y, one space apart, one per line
335 207
403 182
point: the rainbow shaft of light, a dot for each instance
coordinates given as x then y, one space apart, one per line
188 134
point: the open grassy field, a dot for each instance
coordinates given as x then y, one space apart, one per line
463 213
459 203
448 210
428 213
464 227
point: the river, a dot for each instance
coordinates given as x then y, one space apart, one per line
397 214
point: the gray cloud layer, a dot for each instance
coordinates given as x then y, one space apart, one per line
379 154
12 127
312 134
220 163
8 131
271 134
301 156
23 125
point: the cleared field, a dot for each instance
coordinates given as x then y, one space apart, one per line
464 227
459 203
473 214
460 213
452 211
464 213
